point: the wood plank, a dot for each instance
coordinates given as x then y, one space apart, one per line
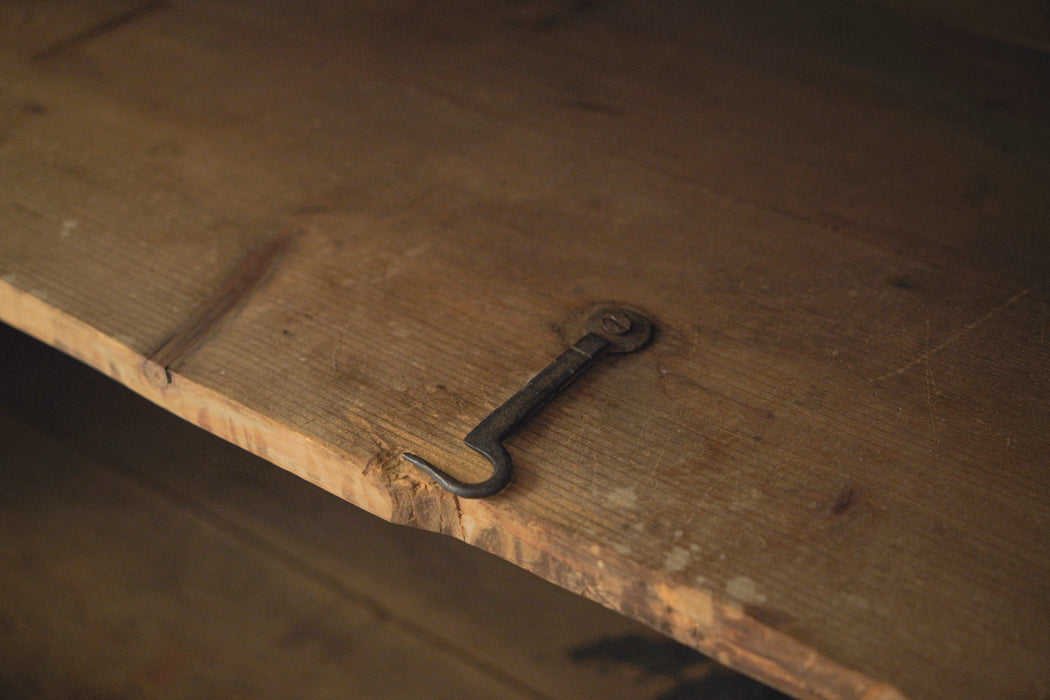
474 612
842 425
106 591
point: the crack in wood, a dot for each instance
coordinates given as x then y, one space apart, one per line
104 27
238 286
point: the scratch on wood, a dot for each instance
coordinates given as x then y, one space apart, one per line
1042 325
930 386
956 337
104 27
238 286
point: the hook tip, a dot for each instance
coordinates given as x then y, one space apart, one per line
489 487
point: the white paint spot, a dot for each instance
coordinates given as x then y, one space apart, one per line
677 559
418 250
68 227
857 601
623 497
744 589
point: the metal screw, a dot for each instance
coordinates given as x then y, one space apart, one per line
616 323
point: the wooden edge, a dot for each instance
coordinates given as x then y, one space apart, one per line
719 628
204 407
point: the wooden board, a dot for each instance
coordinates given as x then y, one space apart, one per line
142 556
335 232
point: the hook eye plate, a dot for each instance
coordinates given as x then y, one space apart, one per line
625 329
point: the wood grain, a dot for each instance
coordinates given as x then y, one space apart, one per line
829 470
142 556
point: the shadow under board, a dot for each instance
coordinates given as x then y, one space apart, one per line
141 556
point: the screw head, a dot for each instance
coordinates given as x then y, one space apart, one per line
616 323
626 329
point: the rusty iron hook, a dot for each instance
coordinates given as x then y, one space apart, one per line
609 330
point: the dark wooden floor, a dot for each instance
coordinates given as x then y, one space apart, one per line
142 557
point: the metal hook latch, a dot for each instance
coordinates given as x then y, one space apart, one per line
609 330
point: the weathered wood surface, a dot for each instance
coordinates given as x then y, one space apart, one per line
333 232
142 557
